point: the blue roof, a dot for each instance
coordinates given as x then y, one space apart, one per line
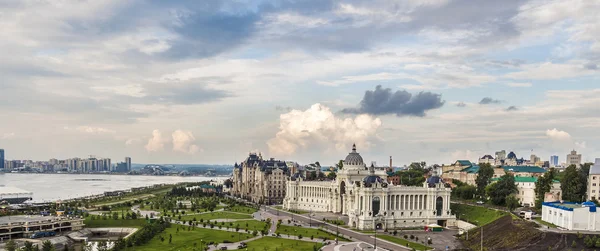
524 169
569 206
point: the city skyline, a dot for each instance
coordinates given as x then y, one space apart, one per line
187 82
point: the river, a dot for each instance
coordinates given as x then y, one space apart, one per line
52 187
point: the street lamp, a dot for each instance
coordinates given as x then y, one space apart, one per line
481 231
375 220
310 218
337 230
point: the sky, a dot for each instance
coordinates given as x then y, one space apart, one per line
188 81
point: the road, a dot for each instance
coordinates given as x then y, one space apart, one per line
346 232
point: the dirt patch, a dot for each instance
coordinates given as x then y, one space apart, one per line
508 234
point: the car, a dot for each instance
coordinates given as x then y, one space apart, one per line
480 203
223 248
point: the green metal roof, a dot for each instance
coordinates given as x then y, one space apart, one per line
525 179
464 162
471 169
524 169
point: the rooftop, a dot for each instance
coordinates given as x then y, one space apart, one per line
524 169
570 206
595 168
26 218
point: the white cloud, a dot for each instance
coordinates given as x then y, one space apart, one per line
556 134
519 84
156 143
318 127
581 145
549 70
7 135
183 141
93 130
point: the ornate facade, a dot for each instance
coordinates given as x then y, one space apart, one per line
260 180
364 195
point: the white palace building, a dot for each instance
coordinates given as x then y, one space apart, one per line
368 200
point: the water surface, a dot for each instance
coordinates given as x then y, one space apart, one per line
52 187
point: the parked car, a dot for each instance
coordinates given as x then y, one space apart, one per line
480 203
223 248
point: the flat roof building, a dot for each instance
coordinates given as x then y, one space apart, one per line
572 216
19 226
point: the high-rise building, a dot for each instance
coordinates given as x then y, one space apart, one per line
574 158
128 162
1 158
553 160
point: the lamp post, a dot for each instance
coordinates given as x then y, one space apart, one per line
337 230
481 231
310 218
375 220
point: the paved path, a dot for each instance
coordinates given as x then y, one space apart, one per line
144 213
346 232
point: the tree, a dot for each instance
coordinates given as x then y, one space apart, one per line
484 176
340 165
584 172
570 184
543 185
10 246
102 246
512 202
499 190
331 175
47 246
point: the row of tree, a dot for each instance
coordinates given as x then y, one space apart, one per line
573 183
11 245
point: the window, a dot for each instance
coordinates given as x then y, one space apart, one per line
593 191
594 177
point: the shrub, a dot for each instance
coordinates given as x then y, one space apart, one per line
412 237
405 236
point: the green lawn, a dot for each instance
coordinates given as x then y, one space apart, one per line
305 232
97 223
476 215
215 215
243 209
539 220
252 224
243 224
279 244
184 239
404 242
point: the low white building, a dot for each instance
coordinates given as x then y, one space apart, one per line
572 216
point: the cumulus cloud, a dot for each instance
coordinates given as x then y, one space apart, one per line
319 127
488 100
183 141
512 108
156 143
558 135
402 103
461 104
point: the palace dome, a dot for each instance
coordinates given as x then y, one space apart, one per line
353 158
511 155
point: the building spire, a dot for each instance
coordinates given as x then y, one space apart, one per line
354 147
